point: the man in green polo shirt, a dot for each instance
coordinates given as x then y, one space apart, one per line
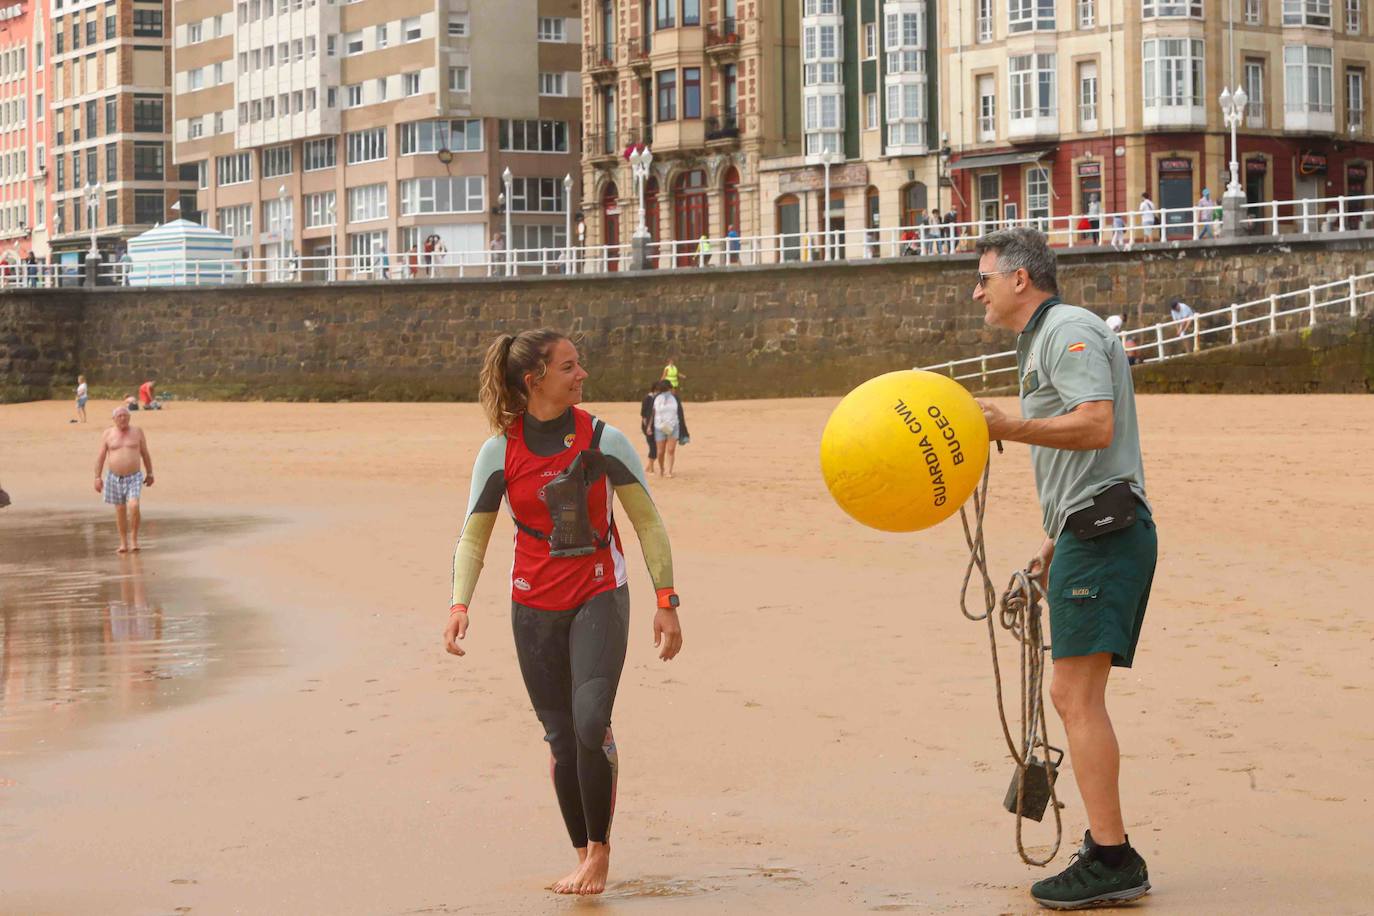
1078 417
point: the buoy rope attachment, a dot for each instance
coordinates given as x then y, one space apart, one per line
1019 612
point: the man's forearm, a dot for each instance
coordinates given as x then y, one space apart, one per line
1075 430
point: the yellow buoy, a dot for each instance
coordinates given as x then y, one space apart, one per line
903 451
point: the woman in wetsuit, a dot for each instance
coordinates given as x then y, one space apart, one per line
570 605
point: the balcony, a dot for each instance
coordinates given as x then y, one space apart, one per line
1170 114
722 38
639 56
722 130
600 62
1309 119
602 147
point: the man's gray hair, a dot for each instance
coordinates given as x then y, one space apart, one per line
1023 248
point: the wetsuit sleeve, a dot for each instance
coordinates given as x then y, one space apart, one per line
484 501
628 479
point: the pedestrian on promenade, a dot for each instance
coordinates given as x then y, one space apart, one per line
1204 212
1147 217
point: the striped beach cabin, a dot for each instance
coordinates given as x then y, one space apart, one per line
181 253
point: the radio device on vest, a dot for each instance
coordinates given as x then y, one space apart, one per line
566 498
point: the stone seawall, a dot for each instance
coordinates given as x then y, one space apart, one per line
795 330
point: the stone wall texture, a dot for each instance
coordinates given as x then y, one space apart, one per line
795 330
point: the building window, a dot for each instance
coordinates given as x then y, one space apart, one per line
1172 9
691 12
149 207
353 95
870 40
276 161
235 168
667 95
665 12
1354 101
905 42
1087 14
195 79
111 161
1173 72
1254 89
367 203
410 29
1032 86
870 111
147 23
537 238
1307 12
149 162
552 84
112 208
195 128
458 25
1254 12
691 92
1038 196
148 114
984 21
1307 79
319 209
410 83
320 154
458 79
367 145
353 43
92 26
235 221
537 195
551 29
987 109
1032 15
1087 96
533 136
821 55
111 119
363 247
906 114
431 136
452 195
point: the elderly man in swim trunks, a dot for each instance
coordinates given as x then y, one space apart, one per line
126 448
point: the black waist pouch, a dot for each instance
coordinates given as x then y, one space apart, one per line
1112 510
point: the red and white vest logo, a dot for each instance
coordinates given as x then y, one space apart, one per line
521 584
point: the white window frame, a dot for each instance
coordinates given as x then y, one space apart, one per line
411 30
987 108
424 196
410 83
1354 100
552 29
1039 195
459 79
984 26
1172 79
1171 9
870 41
319 155
872 111
320 209
195 33
367 145
353 44
367 203
1032 86
419 138
353 95
1031 16
1312 14
236 221
1254 12
1308 85
235 168
276 161
1255 90
1088 89
1087 14
553 84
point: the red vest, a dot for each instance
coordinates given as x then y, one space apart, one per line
537 579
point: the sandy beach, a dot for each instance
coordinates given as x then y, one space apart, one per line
827 742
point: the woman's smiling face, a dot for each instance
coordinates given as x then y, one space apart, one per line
562 383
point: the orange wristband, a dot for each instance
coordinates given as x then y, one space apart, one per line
667 599
458 607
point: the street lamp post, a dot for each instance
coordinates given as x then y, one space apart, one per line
282 232
567 230
1233 111
93 211
641 159
827 158
510 241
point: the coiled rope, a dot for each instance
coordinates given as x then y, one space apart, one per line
1019 612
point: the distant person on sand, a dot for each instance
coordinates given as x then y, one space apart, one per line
81 394
646 424
147 396
126 448
673 377
667 427
556 467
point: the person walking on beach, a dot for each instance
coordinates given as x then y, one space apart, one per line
557 467
81 396
646 424
672 377
667 427
1097 561
126 449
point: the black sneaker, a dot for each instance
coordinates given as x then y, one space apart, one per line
1088 881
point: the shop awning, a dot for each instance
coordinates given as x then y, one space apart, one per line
992 160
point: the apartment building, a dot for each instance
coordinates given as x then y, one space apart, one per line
324 128
1053 104
23 120
108 106
707 86
869 88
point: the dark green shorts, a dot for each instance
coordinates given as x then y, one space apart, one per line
1098 590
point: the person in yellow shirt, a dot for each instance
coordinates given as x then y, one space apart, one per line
674 376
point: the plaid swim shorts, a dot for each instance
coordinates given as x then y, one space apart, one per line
119 490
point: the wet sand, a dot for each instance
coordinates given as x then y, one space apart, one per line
827 742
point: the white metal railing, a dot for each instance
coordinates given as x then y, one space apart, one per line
1229 324
1122 230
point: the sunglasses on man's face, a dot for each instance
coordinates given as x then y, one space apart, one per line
985 275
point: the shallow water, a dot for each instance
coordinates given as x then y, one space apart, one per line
87 635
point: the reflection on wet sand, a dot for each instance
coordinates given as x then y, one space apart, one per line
87 635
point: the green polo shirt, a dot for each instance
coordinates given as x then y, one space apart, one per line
1066 356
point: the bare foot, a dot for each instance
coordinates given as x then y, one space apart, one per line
134 548
591 877
123 548
565 884
669 474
